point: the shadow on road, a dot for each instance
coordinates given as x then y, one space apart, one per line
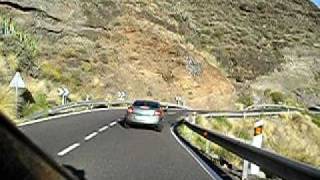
137 126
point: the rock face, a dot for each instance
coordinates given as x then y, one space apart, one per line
144 47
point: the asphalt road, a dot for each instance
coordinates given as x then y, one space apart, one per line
103 149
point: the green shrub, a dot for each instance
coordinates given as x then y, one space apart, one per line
246 100
242 134
221 123
52 72
277 97
267 92
40 104
7 101
316 120
317 76
69 52
86 67
21 44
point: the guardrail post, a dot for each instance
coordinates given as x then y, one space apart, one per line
207 147
193 117
62 100
245 170
289 114
257 142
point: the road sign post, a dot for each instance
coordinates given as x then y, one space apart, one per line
122 96
64 93
60 93
178 100
17 82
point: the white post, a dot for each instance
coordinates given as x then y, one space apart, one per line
17 83
17 113
62 100
193 117
257 142
245 170
207 146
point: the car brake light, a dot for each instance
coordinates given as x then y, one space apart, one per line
157 113
130 110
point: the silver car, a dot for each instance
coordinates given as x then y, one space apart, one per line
145 112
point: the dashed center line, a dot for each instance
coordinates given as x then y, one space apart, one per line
103 128
87 138
113 123
68 149
90 136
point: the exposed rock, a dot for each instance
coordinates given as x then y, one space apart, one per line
144 44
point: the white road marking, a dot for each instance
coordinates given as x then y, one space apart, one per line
103 128
113 123
90 136
68 149
60 116
204 166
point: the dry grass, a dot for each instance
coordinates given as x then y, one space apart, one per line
7 102
295 137
52 71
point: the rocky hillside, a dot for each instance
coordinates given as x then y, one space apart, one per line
201 50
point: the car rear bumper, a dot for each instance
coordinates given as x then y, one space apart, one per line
148 120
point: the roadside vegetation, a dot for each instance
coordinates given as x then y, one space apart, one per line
19 46
40 104
7 102
113 43
270 97
246 100
316 119
293 136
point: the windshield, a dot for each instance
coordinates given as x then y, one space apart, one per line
161 89
150 104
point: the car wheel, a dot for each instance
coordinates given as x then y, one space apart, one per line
126 125
159 127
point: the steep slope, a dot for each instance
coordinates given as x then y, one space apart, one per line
162 49
100 48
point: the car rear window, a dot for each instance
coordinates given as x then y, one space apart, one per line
150 104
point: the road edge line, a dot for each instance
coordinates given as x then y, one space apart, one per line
204 166
61 116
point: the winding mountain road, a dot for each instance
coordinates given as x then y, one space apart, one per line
97 144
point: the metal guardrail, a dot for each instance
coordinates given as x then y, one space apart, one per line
246 114
314 109
274 106
71 106
283 167
240 114
174 106
91 104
